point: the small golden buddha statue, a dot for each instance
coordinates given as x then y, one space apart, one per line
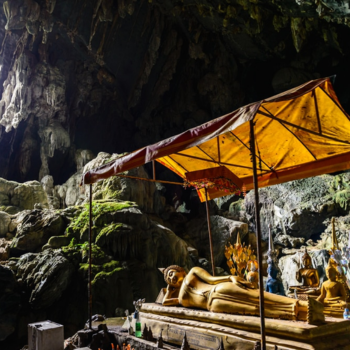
335 261
308 276
253 274
232 294
333 293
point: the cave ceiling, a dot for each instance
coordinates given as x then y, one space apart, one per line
113 76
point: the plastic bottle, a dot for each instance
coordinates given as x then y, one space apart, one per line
346 314
138 330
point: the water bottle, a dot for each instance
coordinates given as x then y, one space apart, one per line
138 331
346 314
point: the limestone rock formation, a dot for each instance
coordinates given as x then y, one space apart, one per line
82 77
5 220
299 209
35 229
4 249
9 302
145 194
45 276
223 231
15 196
62 70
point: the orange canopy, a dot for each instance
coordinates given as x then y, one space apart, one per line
300 133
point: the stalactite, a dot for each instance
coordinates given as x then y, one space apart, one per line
94 25
7 33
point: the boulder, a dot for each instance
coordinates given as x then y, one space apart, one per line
4 249
15 196
289 241
224 203
35 229
223 230
82 157
9 302
147 195
45 276
5 220
144 193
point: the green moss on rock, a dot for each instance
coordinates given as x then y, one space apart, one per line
80 224
59 241
100 271
103 275
106 231
97 254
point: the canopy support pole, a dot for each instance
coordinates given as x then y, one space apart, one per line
258 238
154 170
89 282
209 230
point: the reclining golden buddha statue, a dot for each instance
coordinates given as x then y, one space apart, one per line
232 294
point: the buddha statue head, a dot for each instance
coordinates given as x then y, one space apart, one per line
331 273
174 275
306 259
272 271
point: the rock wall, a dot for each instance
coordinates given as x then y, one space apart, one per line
65 86
136 231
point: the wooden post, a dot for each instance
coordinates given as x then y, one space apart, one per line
258 238
89 278
209 230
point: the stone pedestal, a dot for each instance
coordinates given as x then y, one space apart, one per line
204 330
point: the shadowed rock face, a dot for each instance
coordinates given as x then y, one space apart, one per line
9 302
45 276
117 75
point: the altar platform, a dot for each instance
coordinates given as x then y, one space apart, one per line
204 330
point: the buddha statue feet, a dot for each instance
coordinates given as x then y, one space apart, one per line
303 292
315 313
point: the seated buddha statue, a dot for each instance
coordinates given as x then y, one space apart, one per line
273 284
333 294
253 274
308 276
232 294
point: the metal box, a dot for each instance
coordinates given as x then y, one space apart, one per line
45 335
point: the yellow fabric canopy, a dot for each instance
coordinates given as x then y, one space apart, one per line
300 133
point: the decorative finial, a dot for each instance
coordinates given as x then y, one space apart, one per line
238 241
271 247
271 252
221 345
335 245
185 345
160 340
145 333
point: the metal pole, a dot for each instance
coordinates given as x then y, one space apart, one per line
258 238
209 230
89 285
154 170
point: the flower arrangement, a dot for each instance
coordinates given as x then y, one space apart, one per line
240 258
